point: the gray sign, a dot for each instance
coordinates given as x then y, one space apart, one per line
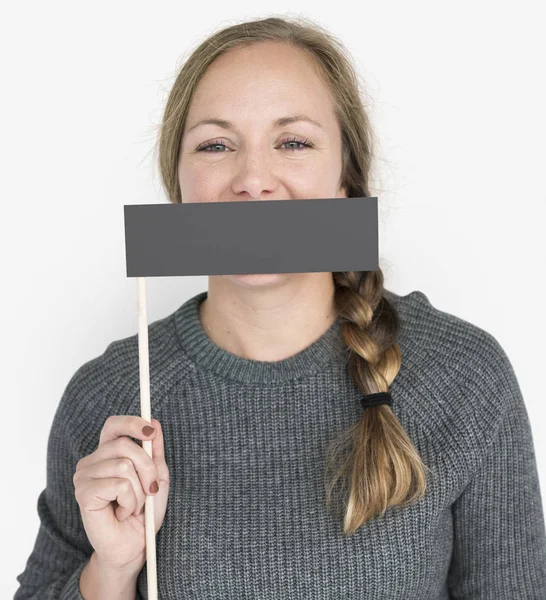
251 236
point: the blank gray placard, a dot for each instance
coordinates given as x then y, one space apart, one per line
251 236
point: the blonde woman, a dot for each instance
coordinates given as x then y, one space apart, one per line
272 479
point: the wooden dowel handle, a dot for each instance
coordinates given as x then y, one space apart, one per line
146 413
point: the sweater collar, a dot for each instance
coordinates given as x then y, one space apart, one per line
327 351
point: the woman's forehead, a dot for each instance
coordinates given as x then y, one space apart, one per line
266 83
270 63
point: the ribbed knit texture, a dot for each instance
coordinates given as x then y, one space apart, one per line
245 444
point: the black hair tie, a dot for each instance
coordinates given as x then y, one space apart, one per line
375 399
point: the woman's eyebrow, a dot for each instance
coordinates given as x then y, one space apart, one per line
281 122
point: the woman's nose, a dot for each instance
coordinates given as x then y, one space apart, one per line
253 175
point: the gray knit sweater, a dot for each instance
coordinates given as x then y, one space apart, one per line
245 441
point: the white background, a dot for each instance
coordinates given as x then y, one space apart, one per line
457 98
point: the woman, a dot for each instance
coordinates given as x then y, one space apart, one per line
274 479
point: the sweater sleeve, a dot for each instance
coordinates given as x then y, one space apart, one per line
62 549
499 546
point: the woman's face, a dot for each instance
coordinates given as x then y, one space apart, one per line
255 149
252 156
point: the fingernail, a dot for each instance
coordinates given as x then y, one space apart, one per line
154 488
147 430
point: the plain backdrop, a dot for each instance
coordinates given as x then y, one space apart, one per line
457 96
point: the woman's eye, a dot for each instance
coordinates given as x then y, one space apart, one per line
304 143
213 145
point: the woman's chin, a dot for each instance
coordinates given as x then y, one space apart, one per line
256 279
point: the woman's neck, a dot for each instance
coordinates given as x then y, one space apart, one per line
268 322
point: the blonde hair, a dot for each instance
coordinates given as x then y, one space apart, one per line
374 460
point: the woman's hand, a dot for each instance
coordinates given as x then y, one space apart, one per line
111 486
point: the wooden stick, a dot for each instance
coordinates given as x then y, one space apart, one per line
146 413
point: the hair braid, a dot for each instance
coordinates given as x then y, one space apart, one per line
382 468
